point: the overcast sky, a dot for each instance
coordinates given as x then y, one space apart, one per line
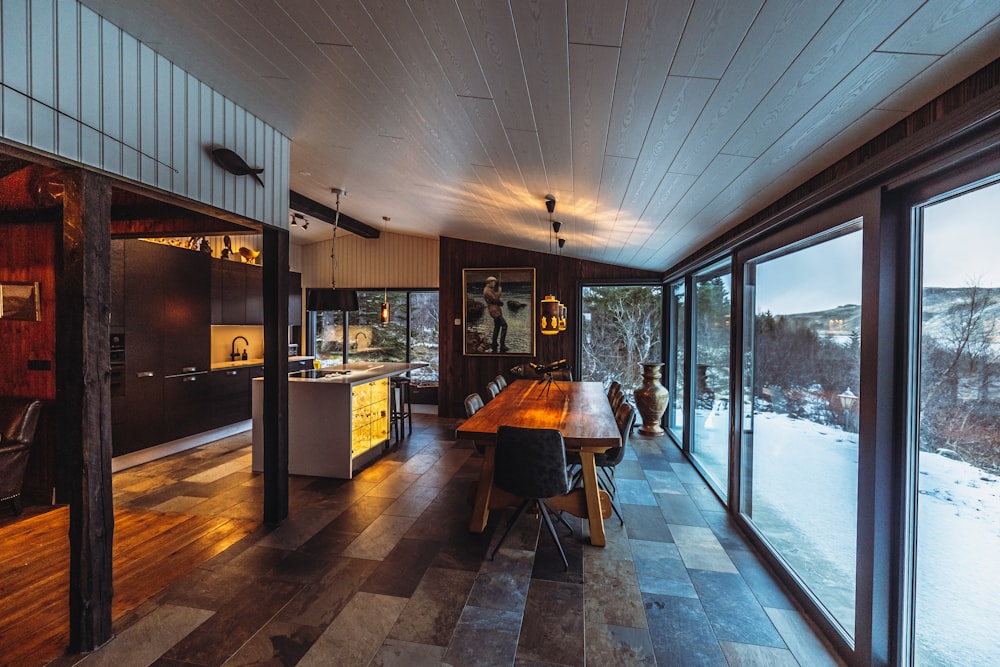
961 244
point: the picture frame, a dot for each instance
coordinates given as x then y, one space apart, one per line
512 319
20 301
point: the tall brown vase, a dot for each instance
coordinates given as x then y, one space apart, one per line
651 398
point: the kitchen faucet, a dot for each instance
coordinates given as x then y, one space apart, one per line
234 355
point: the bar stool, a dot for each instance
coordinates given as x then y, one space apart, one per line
400 407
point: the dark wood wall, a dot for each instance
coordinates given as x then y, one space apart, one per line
27 254
557 275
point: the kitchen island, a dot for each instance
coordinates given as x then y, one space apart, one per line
338 417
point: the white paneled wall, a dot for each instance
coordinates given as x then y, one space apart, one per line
392 260
77 87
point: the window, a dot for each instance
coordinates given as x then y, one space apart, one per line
621 328
800 421
675 372
957 452
410 335
710 430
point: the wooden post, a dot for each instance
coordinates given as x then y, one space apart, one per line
83 400
275 412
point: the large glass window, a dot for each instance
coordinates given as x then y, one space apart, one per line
957 571
678 340
621 328
411 334
800 430
710 430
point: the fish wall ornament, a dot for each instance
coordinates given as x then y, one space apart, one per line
234 164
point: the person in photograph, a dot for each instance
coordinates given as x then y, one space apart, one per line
492 294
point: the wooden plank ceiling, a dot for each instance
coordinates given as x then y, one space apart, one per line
656 125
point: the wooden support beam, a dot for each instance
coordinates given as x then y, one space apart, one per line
83 399
275 407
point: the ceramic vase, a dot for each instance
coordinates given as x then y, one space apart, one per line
651 398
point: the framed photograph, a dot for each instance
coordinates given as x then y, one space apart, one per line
498 313
19 301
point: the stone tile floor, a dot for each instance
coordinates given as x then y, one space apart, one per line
381 570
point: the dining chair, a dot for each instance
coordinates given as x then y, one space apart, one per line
501 382
614 388
617 400
607 460
492 389
531 463
473 402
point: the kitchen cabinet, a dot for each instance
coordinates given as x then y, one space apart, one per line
186 318
230 394
186 405
237 293
142 422
294 299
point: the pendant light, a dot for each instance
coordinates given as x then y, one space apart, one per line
332 298
553 312
385 290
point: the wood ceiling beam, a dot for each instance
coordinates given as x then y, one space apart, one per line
314 209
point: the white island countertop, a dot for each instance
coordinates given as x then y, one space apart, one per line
355 372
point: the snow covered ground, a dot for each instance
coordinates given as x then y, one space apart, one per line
804 500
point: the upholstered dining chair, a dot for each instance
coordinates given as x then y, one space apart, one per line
492 389
501 382
607 460
473 403
617 400
614 388
531 463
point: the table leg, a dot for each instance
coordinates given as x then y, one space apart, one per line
481 508
593 493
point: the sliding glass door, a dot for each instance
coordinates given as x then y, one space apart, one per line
956 492
799 484
712 336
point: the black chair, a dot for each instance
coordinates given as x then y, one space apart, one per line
473 403
613 389
607 460
400 406
617 400
492 389
18 420
531 463
501 382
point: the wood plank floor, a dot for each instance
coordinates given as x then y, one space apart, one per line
151 550
381 570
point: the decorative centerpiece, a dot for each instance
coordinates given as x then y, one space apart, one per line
651 398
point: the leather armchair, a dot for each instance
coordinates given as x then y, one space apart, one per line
18 419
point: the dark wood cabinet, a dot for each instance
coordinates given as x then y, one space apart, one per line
294 299
231 394
254 283
142 422
236 293
187 405
187 333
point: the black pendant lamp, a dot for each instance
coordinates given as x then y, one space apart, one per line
331 298
384 314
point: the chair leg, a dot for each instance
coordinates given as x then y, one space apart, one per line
510 524
562 520
552 532
614 501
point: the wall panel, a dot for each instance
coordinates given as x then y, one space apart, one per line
77 87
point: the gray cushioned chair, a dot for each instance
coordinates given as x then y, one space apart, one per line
531 463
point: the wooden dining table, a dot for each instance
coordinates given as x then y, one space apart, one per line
580 411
